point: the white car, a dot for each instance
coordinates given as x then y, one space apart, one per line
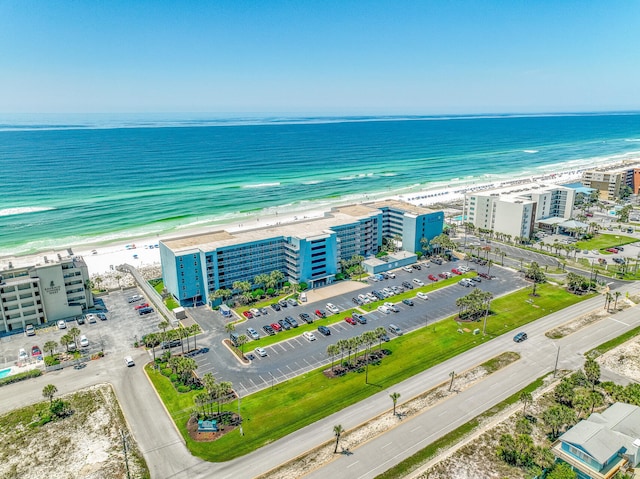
22 355
128 361
387 292
255 312
422 295
384 309
464 269
309 335
62 324
363 298
91 318
371 297
391 275
408 269
260 352
333 308
253 334
392 307
84 342
418 282
30 330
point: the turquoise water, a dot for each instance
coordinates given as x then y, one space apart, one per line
98 180
4 373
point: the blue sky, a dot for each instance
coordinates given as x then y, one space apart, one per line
319 57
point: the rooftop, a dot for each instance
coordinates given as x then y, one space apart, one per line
518 191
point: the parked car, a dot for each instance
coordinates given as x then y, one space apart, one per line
416 266
35 351
408 269
432 278
255 312
324 330
383 309
284 324
62 324
306 318
30 330
408 302
476 279
356 301
134 298
363 298
320 313
292 302
141 312
268 329
418 282
275 306
392 307
395 329
359 317
350 320
102 316
276 327
283 303
261 352
309 335
91 318
407 285
333 308
84 342
456 271
291 321
422 295
264 311
442 275
140 306
391 274
170 344
247 314
81 320
371 296
518 338
128 361
252 333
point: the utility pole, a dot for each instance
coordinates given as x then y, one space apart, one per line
453 375
272 379
240 417
124 450
555 367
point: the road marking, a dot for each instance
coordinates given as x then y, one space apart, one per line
415 429
353 464
443 413
618 321
386 445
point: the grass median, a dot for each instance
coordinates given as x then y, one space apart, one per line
275 412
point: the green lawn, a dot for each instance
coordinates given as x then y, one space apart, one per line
273 413
604 241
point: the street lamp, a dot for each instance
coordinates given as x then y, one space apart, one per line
555 367
272 379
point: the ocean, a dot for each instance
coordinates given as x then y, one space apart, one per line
93 180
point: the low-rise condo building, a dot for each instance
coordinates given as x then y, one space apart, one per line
514 210
613 182
40 293
307 251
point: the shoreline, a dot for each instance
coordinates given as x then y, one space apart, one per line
102 257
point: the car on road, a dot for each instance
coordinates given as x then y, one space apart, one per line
255 312
422 295
408 269
275 306
309 335
102 316
128 361
284 324
383 309
324 330
62 324
268 329
247 314
30 330
92 318
276 327
306 318
407 285
134 298
432 277
140 306
350 320
320 313
261 352
518 338
35 351
418 282
253 334
408 302
359 317
291 321
333 308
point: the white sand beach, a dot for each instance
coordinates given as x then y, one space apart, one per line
143 252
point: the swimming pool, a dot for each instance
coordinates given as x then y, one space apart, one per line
5 372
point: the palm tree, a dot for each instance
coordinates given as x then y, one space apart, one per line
332 351
118 278
241 341
337 432
343 345
276 277
526 398
195 330
65 340
50 347
368 339
75 334
380 333
49 391
394 397
617 295
150 341
229 328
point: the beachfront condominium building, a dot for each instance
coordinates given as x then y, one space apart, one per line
40 293
308 251
514 210
613 182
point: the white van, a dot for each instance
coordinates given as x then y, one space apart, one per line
303 297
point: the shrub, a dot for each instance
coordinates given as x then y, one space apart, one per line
302 286
34 373
51 360
167 372
173 378
183 389
60 408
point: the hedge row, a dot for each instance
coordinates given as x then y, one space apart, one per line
33 373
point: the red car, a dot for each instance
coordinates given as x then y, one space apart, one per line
442 275
320 314
350 320
612 250
140 306
432 277
247 314
35 351
455 271
276 327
